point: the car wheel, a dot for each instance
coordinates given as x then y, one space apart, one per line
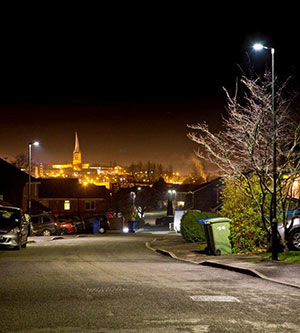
46 232
102 230
17 248
24 245
294 240
218 252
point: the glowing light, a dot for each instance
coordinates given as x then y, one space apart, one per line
258 47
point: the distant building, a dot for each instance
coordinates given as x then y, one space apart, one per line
76 154
68 170
98 174
206 197
68 196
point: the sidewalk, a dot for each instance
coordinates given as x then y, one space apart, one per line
175 247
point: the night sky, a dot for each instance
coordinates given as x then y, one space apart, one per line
129 79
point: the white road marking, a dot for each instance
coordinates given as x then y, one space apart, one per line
213 298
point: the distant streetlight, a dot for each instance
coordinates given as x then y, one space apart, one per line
274 224
30 144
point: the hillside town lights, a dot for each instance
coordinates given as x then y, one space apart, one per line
30 144
274 224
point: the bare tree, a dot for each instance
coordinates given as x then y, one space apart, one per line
20 161
243 149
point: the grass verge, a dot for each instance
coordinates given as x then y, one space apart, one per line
290 257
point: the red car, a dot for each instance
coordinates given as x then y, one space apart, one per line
66 226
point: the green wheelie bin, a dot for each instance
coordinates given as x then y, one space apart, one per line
217 235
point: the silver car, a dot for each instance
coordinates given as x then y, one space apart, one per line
294 234
14 228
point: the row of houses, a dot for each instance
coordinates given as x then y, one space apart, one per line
61 196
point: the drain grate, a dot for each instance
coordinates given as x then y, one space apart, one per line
111 289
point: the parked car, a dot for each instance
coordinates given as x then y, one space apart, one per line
45 225
74 221
103 225
294 233
66 225
164 221
14 228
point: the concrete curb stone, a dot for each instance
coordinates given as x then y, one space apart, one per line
214 263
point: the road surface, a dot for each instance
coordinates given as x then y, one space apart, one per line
113 283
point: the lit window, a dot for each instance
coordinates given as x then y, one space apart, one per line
67 205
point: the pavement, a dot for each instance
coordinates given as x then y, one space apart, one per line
176 247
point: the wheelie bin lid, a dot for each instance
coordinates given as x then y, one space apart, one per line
212 220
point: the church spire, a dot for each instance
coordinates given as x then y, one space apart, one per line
76 149
76 153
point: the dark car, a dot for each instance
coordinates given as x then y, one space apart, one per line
71 223
103 223
45 225
164 221
14 228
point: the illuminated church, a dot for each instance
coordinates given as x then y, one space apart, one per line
87 174
77 164
76 154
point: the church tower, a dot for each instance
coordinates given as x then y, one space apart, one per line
76 154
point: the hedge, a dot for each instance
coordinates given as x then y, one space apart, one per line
191 230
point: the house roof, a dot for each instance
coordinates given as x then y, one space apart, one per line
184 187
69 188
193 188
8 170
215 182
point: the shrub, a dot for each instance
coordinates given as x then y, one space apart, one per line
247 232
191 230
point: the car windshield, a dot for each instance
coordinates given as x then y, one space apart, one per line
9 216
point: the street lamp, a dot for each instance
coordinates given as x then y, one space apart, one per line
274 224
30 144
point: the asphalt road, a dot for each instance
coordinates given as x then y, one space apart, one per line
114 283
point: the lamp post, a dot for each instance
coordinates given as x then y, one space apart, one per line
133 196
171 193
274 223
30 144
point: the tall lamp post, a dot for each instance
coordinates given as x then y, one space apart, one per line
30 144
171 193
274 223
